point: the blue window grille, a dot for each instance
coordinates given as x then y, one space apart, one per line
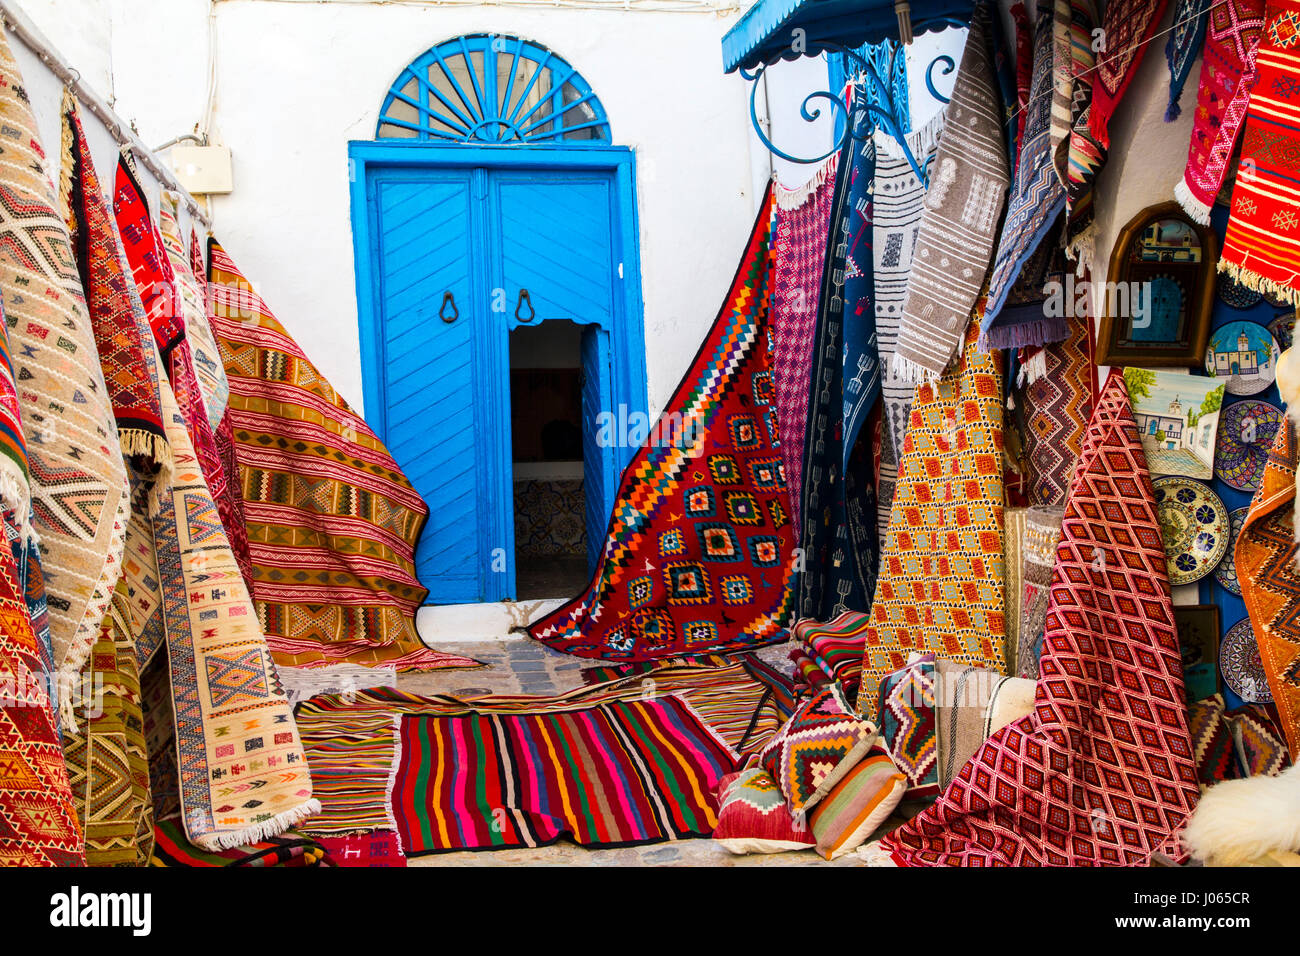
491 88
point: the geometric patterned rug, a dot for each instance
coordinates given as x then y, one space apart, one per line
1102 772
696 558
332 521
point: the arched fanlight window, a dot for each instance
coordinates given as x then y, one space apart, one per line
488 88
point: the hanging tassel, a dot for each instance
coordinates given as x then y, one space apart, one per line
903 10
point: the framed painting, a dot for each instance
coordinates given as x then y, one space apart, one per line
1155 306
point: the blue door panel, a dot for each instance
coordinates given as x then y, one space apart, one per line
598 478
431 420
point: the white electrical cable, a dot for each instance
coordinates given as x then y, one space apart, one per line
22 28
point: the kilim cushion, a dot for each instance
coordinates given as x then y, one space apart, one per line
909 724
822 741
1212 742
858 804
752 817
1260 745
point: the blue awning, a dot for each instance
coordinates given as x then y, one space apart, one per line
763 34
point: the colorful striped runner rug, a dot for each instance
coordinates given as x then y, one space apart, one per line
351 739
621 773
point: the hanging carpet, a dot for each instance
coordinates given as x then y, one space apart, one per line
958 231
861 373
104 746
1227 73
1102 771
799 231
1183 47
942 568
241 768
1266 561
1129 27
898 204
1084 155
78 480
332 521
1262 247
838 535
1037 198
169 313
698 553
1057 406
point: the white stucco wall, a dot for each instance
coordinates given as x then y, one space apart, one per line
297 81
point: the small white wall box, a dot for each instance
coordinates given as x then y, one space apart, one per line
203 170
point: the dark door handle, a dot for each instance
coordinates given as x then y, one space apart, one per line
524 300
448 300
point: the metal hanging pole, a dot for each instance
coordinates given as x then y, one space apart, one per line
21 27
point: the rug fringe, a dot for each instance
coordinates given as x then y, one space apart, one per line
1253 280
392 782
1041 332
919 141
792 198
229 839
904 369
1033 369
1196 210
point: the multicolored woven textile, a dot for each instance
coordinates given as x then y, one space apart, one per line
838 534
837 646
899 203
1262 246
157 282
38 817
1265 558
1102 771
615 774
1037 198
799 231
941 573
332 521
909 724
78 480
1057 406
753 818
108 764
1212 744
1183 47
350 739
110 302
288 849
1261 745
1041 534
191 293
1227 73
861 373
1024 69
963 208
1084 155
379 848
242 773
1129 26
699 546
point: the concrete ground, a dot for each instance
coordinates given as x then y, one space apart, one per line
520 665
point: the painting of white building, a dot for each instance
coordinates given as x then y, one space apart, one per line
1177 416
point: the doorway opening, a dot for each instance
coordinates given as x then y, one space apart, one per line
546 426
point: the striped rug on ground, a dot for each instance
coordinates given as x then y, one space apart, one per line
617 774
288 849
350 739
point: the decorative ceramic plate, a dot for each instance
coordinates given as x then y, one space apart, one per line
1246 433
1233 293
1195 527
1240 664
1226 572
1283 329
1244 355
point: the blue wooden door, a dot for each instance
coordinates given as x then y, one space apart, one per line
459 257
433 315
557 243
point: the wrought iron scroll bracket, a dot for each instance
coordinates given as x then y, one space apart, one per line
869 79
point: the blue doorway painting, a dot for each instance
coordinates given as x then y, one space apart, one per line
493 201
